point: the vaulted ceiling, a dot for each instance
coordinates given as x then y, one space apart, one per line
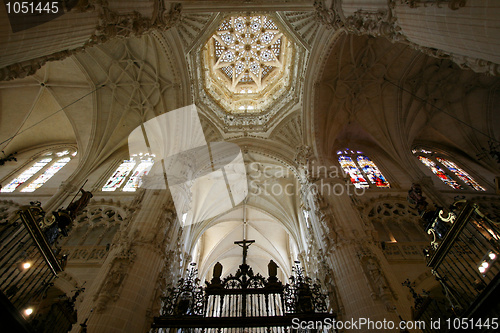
350 90
386 97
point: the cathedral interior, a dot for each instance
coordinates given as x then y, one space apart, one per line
357 124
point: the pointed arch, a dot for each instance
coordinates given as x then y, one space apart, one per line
36 174
128 176
446 170
362 171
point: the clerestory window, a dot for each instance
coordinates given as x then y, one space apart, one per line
361 169
40 171
446 170
128 176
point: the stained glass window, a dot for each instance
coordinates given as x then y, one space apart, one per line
119 176
27 174
372 172
439 172
43 169
364 173
247 49
460 173
350 167
135 180
440 167
128 176
51 171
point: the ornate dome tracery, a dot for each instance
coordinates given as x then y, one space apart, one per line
247 61
247 51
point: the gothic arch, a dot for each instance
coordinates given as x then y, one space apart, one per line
94 230
462 169
394 219
272 241
439 104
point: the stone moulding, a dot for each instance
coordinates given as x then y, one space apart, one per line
111 25
384 24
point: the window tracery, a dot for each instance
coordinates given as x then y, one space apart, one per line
247 49
446 170
128 176
398 226
248 61
92 233
39 172
361 169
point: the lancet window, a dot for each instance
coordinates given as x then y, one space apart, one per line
446 170
40 171
128 176
361 169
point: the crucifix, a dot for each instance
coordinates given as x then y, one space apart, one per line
245 244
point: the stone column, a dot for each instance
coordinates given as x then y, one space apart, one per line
365 283
465 31
125 294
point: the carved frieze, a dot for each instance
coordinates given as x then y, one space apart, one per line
85 254
7 210
381 289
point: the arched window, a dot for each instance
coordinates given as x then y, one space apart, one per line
449 172
128 176
39 172
361 169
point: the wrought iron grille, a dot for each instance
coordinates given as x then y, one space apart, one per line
243 302
463 259
27 263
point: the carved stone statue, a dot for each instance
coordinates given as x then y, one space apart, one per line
216 281
380 286
217 270
79 205
64 217
272 269
416 198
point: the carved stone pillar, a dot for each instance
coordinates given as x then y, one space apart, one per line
366 286
126 291
465 31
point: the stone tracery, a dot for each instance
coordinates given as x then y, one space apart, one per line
247 51
286 137
247 61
